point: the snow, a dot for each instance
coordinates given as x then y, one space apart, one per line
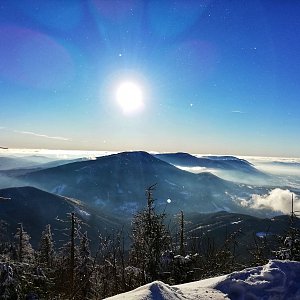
262 234
170 183
275 280
83 213
158 290
236 222
59 189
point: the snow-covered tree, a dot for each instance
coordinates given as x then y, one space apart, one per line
9 286
290 248
83 270
5 243
24 249
150 239
46 252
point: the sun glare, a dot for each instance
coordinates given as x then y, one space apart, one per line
130 97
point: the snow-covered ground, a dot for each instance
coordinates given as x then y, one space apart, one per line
275 280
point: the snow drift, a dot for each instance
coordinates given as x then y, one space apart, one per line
275 280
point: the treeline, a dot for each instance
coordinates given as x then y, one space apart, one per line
73 272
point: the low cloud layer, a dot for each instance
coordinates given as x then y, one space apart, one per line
277 200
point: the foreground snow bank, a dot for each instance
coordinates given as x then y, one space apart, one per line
158 290
275 280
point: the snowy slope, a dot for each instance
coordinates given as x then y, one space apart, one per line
275 280
158 290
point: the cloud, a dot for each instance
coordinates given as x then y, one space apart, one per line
277 200
195 170
1 127
43 135
238 112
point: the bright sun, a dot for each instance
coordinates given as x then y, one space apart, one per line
130 97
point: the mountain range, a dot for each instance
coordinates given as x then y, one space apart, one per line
117 183
107 191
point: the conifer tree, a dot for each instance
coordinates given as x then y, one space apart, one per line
83 270
150 239
68 256
46 250
5 243
182 242
24 249
290 248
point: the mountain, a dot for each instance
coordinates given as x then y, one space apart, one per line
21 166
13 162
210 162
35 209
18 164
227 167
283 164
218 227
39 159
60 162
117 183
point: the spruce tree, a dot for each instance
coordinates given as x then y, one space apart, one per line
83 270
46 249
24 249
290 248
68 257
150 239
5 243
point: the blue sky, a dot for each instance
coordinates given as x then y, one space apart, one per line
217 77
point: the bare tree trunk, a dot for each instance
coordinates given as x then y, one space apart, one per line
182 250
21 244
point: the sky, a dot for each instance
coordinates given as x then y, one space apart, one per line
219 77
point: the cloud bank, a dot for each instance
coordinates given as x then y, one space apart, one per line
277 200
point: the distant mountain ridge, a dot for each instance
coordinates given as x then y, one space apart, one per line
227 167
117 183
15 163
210 162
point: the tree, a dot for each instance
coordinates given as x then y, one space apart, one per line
150 239
182 237
24 249
68 255
46 250
83 270
5 243
290 248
